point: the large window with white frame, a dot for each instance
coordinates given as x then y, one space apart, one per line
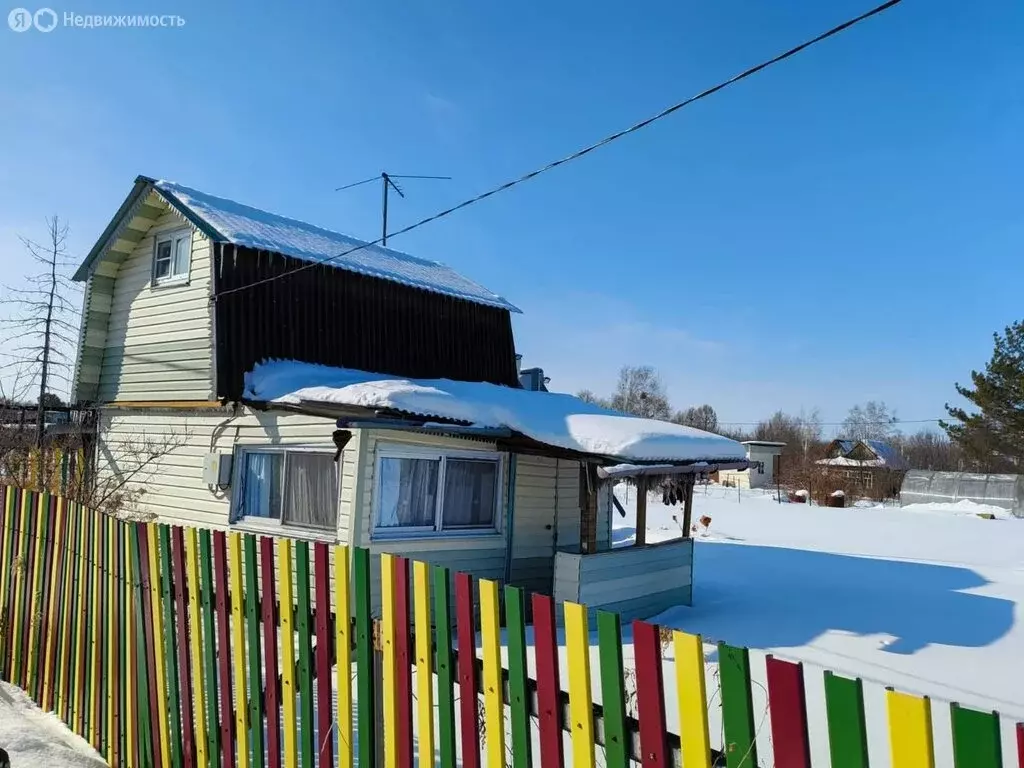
172 256
286 487
422 491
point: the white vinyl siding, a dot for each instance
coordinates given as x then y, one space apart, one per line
173 484
158 343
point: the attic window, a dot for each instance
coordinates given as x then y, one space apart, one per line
172 256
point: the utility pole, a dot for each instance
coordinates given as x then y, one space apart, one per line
388 182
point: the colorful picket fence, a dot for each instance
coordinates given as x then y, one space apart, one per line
169 646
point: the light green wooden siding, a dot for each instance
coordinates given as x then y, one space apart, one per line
99 291
635 582
173 484
544 490
533 537
158 342
546 516
567 500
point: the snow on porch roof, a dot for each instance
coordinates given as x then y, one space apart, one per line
250 227
558 420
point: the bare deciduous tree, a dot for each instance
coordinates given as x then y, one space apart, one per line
701 417
587 396
43 324
127 465
871 421
641 392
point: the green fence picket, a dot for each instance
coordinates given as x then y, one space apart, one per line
365 686
515 623
252 622
737 710
206 587
847 733
976 740
613 693
143 733
305 666
444 666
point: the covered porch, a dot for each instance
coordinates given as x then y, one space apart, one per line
598 447
638 580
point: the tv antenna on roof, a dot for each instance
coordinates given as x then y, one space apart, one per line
387 181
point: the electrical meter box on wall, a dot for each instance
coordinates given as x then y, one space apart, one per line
217 469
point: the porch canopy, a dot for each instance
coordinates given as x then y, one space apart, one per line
518 420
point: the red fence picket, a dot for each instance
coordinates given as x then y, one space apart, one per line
788 713
469 703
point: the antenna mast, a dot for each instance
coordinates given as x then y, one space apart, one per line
387 182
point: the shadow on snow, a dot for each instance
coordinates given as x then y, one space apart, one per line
772 597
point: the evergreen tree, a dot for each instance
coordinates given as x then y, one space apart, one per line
993 437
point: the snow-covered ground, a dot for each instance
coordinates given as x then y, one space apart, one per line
924 598
36 738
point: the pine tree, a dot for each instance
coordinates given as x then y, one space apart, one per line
993 437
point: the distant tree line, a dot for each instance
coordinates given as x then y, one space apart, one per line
640 391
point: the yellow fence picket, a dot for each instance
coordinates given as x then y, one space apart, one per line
910 730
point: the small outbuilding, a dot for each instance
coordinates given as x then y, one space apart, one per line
765 457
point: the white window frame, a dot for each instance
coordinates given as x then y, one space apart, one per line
277 526
437 531
173 236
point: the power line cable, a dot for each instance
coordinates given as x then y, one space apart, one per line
586 150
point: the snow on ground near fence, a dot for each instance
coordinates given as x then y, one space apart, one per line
36 738
923 598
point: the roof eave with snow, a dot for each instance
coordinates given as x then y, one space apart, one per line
562 423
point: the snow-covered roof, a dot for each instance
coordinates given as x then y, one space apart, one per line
885 456
558 420
889 455
249 227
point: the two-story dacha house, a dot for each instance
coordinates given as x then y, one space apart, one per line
289 380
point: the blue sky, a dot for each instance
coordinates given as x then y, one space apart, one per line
846 226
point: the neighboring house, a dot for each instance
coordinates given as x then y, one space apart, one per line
874 466
288 380
765 458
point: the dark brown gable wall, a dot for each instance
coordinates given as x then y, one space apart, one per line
326 315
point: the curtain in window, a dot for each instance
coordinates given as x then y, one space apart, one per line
470 493
261 481
408 492
311 491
